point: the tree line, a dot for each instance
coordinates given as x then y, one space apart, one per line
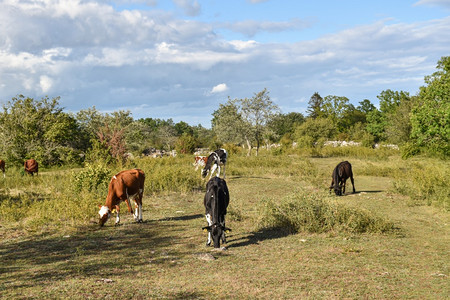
40 129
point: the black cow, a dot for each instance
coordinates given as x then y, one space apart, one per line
215 160
340 174
216 203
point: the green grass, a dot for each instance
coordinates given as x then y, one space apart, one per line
51 247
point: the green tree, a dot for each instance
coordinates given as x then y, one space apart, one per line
246 120
313 132
284 124
378 121
430 116
315 106
229 125
258 112
38 129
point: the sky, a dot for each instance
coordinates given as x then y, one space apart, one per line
180 59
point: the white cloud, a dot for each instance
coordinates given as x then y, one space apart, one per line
45 83
92 54
220 88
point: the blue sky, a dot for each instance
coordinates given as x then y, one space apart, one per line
179 59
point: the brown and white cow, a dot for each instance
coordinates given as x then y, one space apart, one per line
124 186
31 166
2 167
200 161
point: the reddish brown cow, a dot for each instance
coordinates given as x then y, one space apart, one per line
124 186
2 167
31 167
200 161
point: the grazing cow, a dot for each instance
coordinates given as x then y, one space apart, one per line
340 174
31 166
2 167
200 161
216 203
214 161
124 186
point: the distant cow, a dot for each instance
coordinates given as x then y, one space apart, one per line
31 166
200 161
124 186
2 167
340 175
216 203
214 161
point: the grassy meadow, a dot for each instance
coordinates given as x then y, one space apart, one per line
290 238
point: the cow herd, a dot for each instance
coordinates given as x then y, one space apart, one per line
31 166
128 186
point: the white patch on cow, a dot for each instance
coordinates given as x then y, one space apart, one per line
114 177
117 218
103 211
208 219
213 169
140 212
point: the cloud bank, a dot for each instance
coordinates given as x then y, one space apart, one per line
155 64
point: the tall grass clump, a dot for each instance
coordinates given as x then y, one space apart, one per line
357 152
170 174
315 212
425 183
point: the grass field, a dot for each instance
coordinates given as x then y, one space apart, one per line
62 253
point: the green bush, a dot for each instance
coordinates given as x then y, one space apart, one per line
315 212
92 178
425 184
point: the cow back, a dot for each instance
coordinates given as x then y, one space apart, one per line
128 182
31 166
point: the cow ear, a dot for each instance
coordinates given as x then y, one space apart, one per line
207 228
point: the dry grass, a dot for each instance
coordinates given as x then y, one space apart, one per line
162 258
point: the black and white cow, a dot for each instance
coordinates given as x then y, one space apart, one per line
215 160
216 203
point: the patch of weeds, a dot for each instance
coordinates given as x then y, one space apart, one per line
315 212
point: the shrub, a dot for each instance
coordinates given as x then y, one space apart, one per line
425 184
314 212
92 178
185 144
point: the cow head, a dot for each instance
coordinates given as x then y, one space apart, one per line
104 213
217 233
338 190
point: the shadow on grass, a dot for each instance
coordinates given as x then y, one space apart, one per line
90 252
182 218
256 237
245 177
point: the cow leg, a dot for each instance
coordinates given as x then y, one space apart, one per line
223 171
218 171
213 169
353 184
141 193
223 237
343 186
117 215
208 219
